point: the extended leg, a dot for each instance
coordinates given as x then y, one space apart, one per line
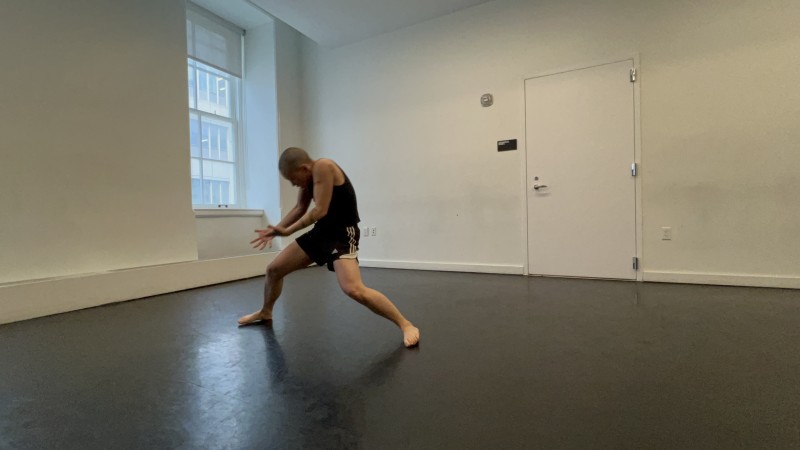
349 276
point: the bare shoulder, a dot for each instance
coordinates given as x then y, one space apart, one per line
329 167
325 165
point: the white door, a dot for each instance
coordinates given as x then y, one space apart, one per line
580 188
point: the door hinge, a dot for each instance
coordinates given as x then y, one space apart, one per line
633 75
634 169
635 263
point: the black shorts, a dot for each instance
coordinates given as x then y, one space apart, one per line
326 246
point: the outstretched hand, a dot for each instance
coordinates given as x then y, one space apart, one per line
266 236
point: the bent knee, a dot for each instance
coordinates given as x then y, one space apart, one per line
275 271
354 291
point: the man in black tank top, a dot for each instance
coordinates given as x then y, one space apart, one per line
333 241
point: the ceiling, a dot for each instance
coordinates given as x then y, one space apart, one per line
332 23
238 12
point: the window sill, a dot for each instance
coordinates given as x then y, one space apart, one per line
227 212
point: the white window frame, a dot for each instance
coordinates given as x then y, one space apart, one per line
237 119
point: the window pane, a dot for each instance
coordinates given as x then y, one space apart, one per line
214 144
224 175
219 171
213 138
197 191
217 142
202 82
215 87
211 192
222 92
207 192
223 144
205 137
192 88
194 134
225 186
196 168
218 191
212 88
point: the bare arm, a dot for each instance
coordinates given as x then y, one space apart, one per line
323 191
303 201
266 236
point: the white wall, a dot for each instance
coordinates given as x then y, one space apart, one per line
94 176
261 122
291 117
719 108
21 301
95 167
227 233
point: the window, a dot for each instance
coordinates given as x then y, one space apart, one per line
214 81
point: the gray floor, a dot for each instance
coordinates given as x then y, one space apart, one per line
505 362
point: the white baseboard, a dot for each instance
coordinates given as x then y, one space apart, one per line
27 300
442 266
723 279
748 280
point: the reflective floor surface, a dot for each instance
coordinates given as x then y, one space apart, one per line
505 362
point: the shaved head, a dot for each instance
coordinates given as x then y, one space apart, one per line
291 159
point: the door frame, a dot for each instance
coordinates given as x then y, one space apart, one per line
637 130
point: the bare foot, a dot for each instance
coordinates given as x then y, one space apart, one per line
257 316
410 335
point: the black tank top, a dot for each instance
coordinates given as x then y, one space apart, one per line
343 210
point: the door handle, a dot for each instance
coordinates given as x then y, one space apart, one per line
536 187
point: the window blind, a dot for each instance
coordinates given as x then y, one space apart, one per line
213 40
